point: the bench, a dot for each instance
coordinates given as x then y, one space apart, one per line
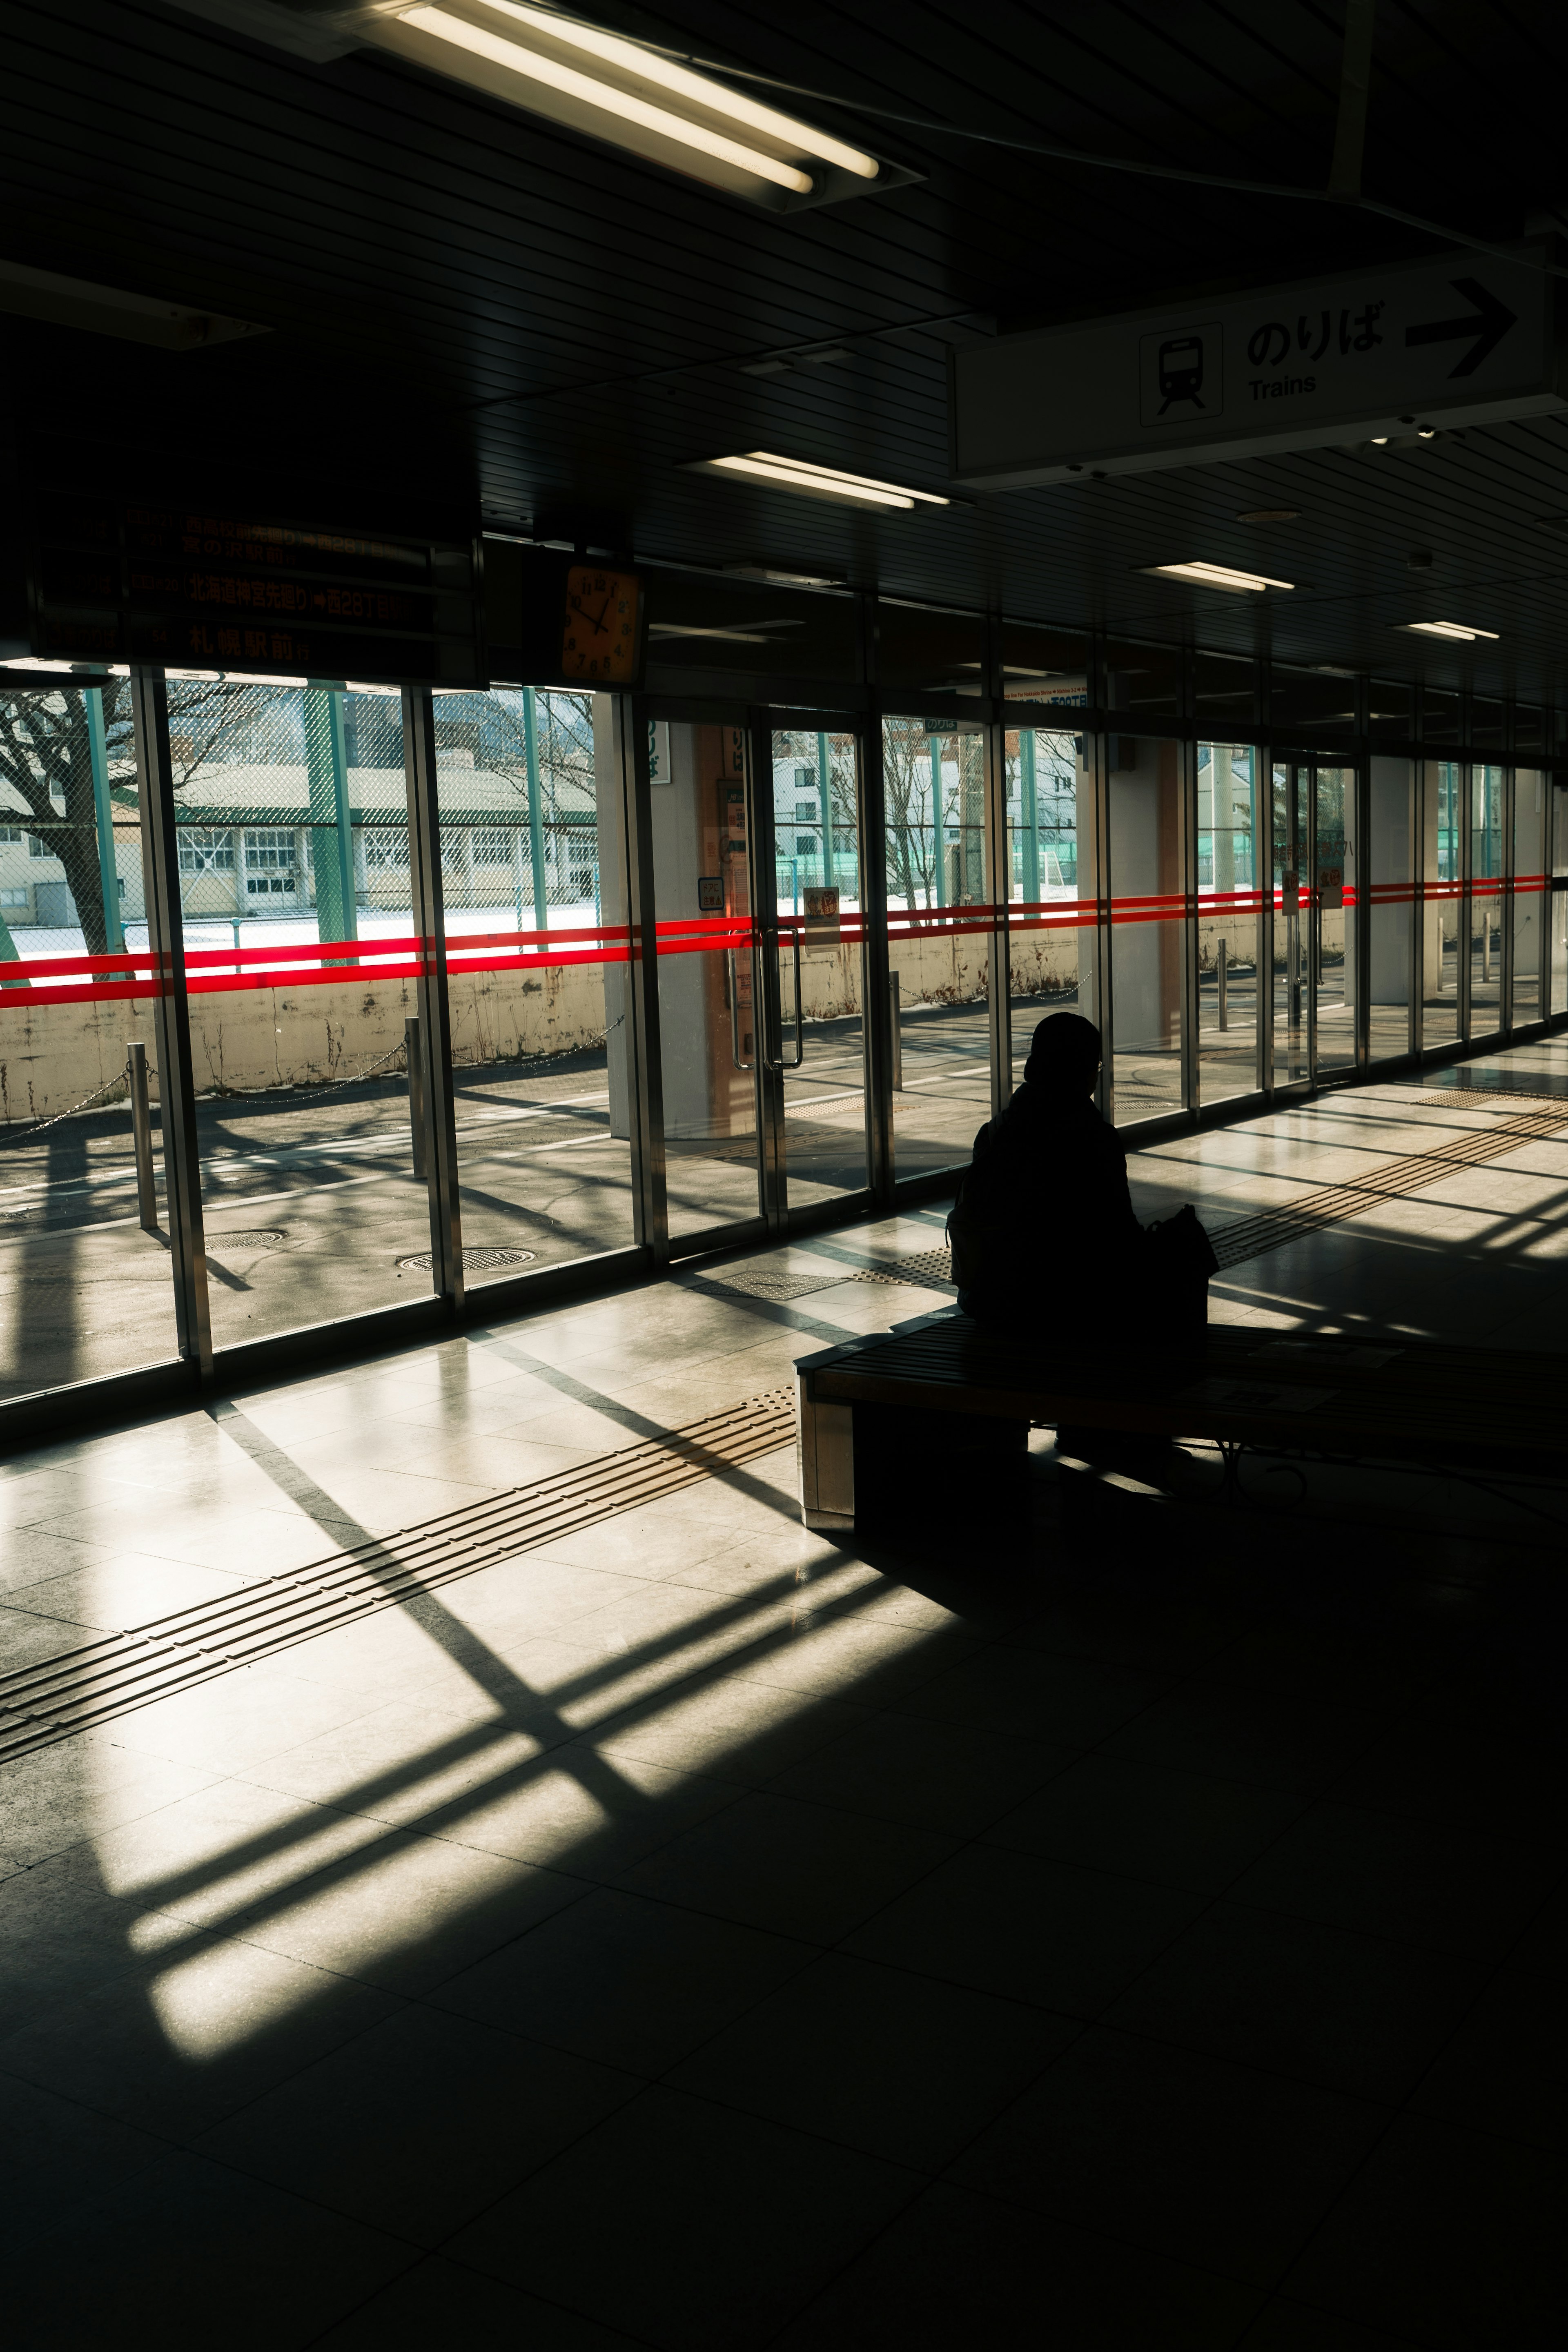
881 1411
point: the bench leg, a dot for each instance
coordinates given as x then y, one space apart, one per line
824 1446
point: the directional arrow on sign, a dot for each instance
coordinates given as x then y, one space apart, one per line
1488 322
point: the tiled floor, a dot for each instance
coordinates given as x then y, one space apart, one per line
694 1935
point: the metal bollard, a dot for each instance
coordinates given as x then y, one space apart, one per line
141 1136
896 1017
1222 971
415 1094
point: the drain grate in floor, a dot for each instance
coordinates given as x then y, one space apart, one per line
474 1261
42 1703
778 1286
265 1237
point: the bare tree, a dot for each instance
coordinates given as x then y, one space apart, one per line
46 761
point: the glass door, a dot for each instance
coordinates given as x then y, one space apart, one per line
1333 918
1292 992
811 946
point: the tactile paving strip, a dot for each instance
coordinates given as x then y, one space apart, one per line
48 1702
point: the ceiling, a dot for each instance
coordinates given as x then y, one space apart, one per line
470 309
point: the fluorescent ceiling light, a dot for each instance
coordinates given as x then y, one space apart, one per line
1456 630
607 96
109 310
770 575
648 67
1219 575
818 481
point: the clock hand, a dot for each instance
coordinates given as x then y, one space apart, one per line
595 620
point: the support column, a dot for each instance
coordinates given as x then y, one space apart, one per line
331 834
630 735
535 811
1029 792
434 1009
877 966
825 793
103 815
170 1016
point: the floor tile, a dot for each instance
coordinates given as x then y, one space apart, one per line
791 1868
56 2156
438 2302
1453 1890
1038 1696
1239 1732
59 1795
1352 2012
419 2123
732 1728
1180 1829
580 1810
956 2268
1030 1930
1286 2325
1453 2238
120 1590
878 2059
409 1914
170 2047
1190 2156
951 1777
108 2275
1506 2069
724 2225
62 1931
630 1982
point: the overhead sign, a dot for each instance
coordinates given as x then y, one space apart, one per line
192 585
1462 339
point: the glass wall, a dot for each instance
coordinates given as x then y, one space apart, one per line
1442 907
1051 914
84 1264
1529 889
1291 922
1400 882
1486 868
1333 951
309 1197
1147 934
940 924
821 965
1390 906
533 881
1229 829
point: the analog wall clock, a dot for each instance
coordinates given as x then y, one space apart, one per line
599 638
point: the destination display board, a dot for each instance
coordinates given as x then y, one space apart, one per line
1464 338
191 586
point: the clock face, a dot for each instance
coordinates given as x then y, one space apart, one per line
599 639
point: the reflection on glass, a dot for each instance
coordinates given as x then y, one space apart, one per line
1334 916
1313 704
1291 926
1391 906
1439 714
1147 907
84 1290
821 951
1441 909
1229 900
1530 893
709 1008
1486 899
938 933
1391 709
1050 864
930 651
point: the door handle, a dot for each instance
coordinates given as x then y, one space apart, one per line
735 1018
779 1063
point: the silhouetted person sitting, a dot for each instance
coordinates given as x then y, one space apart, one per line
1043 1232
